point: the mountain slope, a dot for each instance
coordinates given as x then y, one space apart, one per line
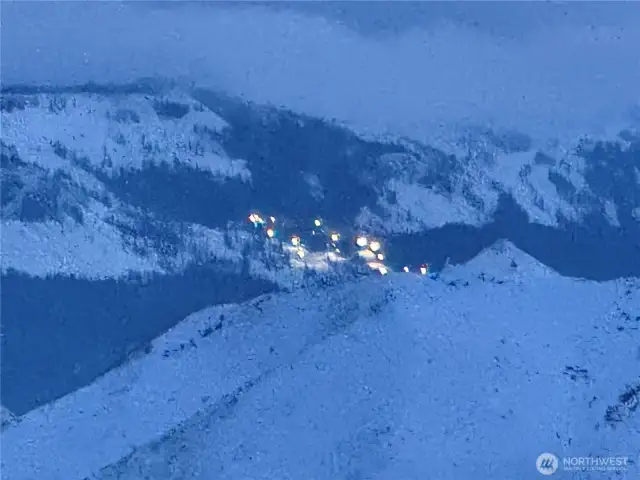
385 377
139 194
166 156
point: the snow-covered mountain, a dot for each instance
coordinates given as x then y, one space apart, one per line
124 202
469 376
124 211
106 160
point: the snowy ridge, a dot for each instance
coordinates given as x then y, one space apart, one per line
208 356
72 144
81 166
503 261
116 131
82 138
253 390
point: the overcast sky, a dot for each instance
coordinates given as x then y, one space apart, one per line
403 67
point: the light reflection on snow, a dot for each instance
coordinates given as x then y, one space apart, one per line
367 254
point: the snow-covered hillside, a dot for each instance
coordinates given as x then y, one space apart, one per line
470 376
92 164
318 241
140 194
59 153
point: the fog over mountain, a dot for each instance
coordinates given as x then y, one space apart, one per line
566 73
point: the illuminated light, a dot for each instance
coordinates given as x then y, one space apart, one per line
378 266
367 254
406 269
423 270
295 240
337 250
317 222
374 246
270 232
255 219
380 257
300 252
273 219
361 241
335 237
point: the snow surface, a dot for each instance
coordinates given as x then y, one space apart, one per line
7 417
92 250
387 377
90 127
417 208
509 171
55 129
95 250
87 125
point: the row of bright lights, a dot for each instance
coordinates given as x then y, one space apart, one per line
370 249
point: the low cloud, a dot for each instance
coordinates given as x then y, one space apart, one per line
564 79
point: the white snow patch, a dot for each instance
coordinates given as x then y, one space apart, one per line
91 250
510 170
419 207
502 261
88 126
611 213
96 249
315 186
7 417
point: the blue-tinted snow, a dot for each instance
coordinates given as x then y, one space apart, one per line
464 79
388 377
103 219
